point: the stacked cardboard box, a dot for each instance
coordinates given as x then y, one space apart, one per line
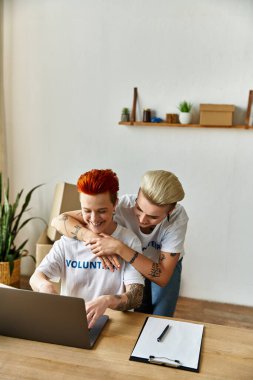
66 198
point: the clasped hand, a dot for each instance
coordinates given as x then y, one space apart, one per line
105 247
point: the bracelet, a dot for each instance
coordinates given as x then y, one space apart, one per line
133 258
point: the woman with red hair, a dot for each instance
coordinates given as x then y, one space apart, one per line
80 271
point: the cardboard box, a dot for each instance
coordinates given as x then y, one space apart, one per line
66 198
43 246
216 114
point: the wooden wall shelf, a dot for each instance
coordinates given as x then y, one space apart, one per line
141 123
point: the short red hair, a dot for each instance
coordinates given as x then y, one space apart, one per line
99 181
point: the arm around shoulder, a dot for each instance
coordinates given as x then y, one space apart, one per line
71 225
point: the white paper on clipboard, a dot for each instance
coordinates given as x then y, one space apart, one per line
182 342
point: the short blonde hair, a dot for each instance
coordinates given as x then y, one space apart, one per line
161 187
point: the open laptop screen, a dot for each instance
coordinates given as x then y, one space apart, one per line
46 318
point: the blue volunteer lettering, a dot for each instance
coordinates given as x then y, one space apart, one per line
83 264
153 244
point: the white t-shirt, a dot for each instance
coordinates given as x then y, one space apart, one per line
167 236
82 274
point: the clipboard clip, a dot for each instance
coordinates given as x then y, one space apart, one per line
161 360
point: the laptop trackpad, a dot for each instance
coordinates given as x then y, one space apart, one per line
95 331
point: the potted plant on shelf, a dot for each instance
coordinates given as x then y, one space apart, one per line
11 222
125 114
185 112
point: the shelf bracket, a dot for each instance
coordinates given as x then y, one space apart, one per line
133 112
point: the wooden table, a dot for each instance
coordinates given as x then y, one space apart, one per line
227 353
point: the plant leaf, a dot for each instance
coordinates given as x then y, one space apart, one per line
10 223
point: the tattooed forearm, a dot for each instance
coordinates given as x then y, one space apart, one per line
75 232
133 298
155 270
134 295
63 218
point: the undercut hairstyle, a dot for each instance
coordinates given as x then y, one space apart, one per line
98 181
161 187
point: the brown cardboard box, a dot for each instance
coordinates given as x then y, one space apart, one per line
66 198
43 246
216 114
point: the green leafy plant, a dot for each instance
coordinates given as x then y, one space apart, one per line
125 111
11 222
125 115
185 106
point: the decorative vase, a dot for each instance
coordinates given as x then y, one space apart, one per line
125 117
146 115
5 276
185 117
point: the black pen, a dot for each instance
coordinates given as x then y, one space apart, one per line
160 338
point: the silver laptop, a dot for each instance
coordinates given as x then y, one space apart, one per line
47 318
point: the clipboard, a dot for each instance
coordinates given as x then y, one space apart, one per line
179 347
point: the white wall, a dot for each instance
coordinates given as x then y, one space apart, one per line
70 67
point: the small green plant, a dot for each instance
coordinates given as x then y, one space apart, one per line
11 223
185 106
125 114
125 111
